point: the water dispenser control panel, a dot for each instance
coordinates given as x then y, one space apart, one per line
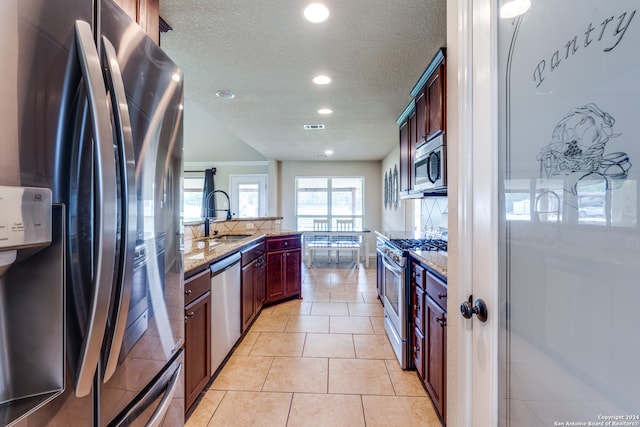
25 218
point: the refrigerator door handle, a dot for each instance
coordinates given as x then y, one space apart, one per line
165 403
128 204
105 211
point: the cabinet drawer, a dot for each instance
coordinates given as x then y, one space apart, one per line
196 286
252 252
437 290
418 274
283 243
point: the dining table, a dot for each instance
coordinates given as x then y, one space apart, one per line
309 235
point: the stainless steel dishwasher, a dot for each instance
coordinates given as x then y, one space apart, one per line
225 308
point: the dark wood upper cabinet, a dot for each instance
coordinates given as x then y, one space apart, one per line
421 119
405 157
435 113
424 118
146 13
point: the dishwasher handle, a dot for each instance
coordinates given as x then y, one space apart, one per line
224 264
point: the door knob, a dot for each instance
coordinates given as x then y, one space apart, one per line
479 308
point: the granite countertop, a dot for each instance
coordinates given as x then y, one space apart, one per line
202 252
436 260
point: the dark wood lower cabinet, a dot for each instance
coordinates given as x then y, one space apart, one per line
284 255
418 351
253 283
292 283
435 365
271 272
429 333
197 338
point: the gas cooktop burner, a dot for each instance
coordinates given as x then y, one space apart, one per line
420 244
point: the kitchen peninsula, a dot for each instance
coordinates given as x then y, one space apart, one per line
229 276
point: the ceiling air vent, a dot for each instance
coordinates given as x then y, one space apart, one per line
313 127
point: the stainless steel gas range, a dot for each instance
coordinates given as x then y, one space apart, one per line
393 290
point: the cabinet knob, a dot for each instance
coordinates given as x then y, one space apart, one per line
286 243
190 315
441 321
188 292
440 296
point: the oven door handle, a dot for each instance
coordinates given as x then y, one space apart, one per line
391 266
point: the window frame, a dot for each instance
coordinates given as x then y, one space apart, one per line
358 219
235 180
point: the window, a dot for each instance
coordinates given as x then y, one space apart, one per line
192 198
329 198
249 195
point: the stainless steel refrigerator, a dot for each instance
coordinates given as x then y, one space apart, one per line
91 318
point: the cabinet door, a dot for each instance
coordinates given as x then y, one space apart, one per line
435 102
435 362
146 13
417 308
292 272
197 347
418 351
275 275
421 118
248 294
405 157
260 290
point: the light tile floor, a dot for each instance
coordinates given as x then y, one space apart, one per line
324 360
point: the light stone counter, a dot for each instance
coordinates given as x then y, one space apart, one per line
435 260
200 252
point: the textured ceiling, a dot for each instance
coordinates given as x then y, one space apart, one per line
267 53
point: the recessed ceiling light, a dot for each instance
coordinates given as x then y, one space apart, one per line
225 94
322 80
316 13
514 8
325 111
328 152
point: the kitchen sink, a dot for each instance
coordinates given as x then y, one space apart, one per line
229 237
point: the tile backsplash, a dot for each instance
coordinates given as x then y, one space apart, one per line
194 231
434 216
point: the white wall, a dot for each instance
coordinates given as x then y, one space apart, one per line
370 170
393 219
221 178
206 139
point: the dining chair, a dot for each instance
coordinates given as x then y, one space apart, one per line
349 243
318 242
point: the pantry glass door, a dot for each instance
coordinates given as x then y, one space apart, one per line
568 87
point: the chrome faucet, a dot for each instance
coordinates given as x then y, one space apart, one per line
210 195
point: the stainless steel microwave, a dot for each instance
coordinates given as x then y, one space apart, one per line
430 165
